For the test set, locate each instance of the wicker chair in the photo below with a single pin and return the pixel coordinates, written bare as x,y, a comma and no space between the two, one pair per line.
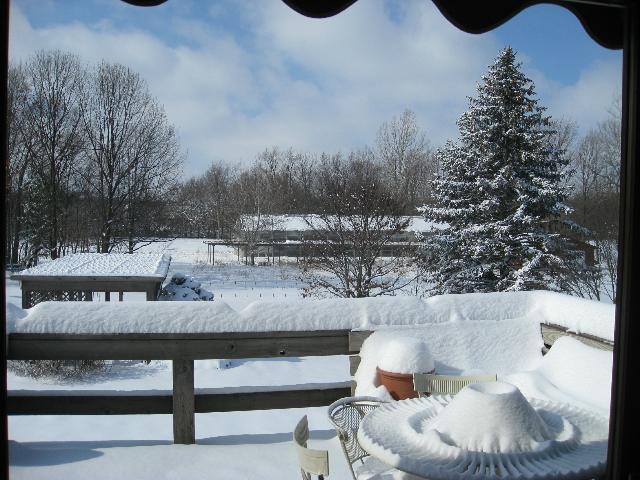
345,415
431,384
312,462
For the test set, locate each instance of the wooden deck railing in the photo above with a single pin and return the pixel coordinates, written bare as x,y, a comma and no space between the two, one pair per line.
550,333
182,349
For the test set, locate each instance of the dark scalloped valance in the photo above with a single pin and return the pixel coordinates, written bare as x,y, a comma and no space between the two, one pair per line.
602,20
145,3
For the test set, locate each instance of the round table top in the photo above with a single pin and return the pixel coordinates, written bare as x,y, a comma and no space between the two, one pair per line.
398,433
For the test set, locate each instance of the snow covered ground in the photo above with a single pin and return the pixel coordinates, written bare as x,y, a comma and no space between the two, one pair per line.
230,280
241,445
256,444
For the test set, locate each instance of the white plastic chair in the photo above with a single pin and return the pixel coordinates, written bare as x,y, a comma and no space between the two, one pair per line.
312,462
433,384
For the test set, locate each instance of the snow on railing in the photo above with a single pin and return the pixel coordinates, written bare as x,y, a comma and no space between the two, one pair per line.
208,330
542,307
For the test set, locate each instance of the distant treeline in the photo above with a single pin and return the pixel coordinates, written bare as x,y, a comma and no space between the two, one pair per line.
401,166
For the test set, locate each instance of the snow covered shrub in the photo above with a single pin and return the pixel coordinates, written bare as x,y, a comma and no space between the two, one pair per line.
60,369
183,287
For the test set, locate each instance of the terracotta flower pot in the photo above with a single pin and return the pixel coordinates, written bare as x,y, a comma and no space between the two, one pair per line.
399,385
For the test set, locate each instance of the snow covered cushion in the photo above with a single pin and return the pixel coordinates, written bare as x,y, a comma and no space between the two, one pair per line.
579,370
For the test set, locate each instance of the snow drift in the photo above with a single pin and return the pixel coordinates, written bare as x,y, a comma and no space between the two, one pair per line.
577,314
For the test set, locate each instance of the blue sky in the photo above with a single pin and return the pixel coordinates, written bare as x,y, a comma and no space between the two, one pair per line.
555,41
239,77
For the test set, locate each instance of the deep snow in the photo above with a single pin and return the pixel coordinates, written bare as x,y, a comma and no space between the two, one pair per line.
581,316
257,444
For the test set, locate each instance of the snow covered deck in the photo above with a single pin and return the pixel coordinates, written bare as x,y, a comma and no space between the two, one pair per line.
77,276
183,333
309,338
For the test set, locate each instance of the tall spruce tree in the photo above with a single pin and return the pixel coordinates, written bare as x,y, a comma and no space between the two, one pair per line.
500,188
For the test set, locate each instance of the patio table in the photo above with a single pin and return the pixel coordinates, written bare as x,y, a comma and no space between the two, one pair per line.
408,435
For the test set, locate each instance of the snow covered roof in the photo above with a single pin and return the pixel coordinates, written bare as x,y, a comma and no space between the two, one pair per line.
137,265
292,223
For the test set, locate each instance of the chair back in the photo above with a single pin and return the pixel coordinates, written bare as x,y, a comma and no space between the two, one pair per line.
312,462
429,383
346,415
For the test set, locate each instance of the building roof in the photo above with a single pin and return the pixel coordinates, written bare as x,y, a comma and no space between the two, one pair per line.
101,265
291,223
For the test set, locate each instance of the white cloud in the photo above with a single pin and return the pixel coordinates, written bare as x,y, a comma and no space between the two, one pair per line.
314,85
588,100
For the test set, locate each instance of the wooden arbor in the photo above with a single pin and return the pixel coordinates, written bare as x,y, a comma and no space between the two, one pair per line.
77,277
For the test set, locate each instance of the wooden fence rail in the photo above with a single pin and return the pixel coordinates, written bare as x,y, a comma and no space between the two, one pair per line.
193,346
69,402
550,333
182,349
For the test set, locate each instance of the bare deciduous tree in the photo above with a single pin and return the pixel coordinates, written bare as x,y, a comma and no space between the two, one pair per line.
358,220
596,170
52,115
133,150
21,151
253,196
406,158
219,201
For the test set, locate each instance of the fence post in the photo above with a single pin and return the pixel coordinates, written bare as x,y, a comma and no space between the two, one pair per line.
184,429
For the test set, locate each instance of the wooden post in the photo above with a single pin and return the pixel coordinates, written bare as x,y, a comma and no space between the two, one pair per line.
356,339
107,296
26,300
120,296
152,293
184,427
88,296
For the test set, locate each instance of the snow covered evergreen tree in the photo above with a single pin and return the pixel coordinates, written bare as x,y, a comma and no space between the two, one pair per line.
499,189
